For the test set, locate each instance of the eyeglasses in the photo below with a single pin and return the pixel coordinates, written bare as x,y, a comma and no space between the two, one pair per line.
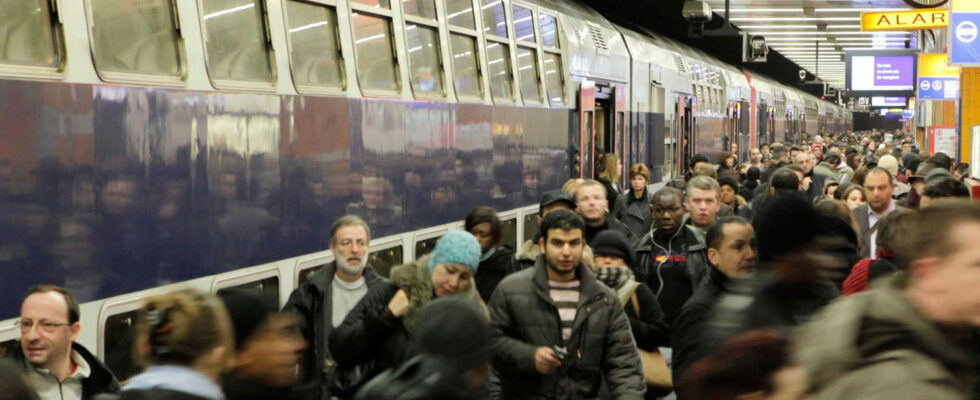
45,326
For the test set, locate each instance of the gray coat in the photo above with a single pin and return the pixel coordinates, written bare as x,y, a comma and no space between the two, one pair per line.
523,317
634,213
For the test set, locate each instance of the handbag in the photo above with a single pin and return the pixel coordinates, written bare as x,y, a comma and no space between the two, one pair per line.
656,373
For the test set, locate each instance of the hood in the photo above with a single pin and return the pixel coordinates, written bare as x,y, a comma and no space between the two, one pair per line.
849,331
529,251
414,279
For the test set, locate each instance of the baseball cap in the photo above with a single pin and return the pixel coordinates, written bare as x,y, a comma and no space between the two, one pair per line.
555,196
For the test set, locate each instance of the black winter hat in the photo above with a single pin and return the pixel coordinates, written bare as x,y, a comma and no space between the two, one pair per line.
727,180
555,196
247,311
454,329
753,173
612,243
785,224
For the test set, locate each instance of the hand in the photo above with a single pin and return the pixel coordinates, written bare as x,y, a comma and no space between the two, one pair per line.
545,360
806,183
399,304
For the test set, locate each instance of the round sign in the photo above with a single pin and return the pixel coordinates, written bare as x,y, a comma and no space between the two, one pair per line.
924,85
926,3
966,32
937,85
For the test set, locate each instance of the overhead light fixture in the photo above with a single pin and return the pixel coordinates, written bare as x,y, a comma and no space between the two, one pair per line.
799,19
777,27
821,10
762,10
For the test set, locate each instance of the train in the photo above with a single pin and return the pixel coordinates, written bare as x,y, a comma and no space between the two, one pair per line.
161,144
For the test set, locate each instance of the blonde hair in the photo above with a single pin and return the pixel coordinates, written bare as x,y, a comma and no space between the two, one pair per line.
571,186
639,169
610,168
180,327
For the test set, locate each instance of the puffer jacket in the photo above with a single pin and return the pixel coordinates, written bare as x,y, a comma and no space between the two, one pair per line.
875,345
523,317
373,339
634,213
311,301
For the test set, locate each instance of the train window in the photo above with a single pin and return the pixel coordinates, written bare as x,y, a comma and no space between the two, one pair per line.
523,23
236,41
494,17
424,60
375,3
8,348
120,336
373,49
421,8
267,289
314,51
383,260
498,55
553,78
527,68
531,226
30,35
466,70
548,25
460,13
508,234
423,247
130,37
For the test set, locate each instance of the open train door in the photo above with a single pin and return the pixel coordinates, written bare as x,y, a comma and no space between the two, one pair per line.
622,143
684,128
586,132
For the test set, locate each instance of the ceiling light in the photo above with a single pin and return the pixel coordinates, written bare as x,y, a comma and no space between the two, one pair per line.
761,10
799,19
818,33
843,26
778,26
857,9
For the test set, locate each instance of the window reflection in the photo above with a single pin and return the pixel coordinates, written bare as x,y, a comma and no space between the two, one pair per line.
421,8
498,59
494,18
316,59
527,67
466,73
424,60
548,26
523,24
373,49
460,13
27,36
553,78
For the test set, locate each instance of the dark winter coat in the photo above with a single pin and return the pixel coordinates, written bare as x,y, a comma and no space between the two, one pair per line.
523,317
312,303
634,213
493,270
611,223
645,267
649,328
100,380
611,192
151,394
685,335
374,340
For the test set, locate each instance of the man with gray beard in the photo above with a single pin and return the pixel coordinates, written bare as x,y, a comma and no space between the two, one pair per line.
325,299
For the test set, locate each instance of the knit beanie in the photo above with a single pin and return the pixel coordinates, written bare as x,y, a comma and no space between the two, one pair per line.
612,243
456,247
889,163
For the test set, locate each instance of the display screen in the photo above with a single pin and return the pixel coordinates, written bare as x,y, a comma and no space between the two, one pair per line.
882,72
878,101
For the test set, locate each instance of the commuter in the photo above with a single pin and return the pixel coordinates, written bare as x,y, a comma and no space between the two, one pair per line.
613,260
550,201
829,188
13,382
707,170
764,150
672,258
755,158
812,183
328,296
612,169
854,196
754,365
750,184
496,261
910,162
890,164
731,251
942,187
880,186
907,337
780,158
267,350
185,338
894,241
57,366
693,164
790,286
591,204
906,147
376,335
941,160
828,167
961,172
726,164
703,202
729,196
633,207
453,338
839,238
794,151
538,349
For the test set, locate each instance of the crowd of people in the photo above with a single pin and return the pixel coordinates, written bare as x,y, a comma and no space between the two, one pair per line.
842,267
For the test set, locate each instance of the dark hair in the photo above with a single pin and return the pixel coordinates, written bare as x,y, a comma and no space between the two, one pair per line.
695,159
71,304
13,382
728,181
565,220
832,158
934,224
716,232
779,152
880,170
945,186
784,179
348,220
897,231
795,148
942,160
668,191
483,214
743,365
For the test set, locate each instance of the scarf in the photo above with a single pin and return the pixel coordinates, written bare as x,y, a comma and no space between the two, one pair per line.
619,279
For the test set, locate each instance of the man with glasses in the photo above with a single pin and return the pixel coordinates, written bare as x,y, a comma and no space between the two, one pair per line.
58,368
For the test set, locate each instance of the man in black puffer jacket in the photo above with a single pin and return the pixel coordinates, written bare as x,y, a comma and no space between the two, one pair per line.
556,331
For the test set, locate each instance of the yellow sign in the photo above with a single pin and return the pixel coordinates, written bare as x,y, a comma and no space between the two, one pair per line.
936,66
965,5
904,20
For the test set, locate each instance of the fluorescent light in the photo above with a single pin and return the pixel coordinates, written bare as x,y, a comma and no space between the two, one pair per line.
773,33
858,9
843,26
761,10
229,11
778,26
800,19
819,39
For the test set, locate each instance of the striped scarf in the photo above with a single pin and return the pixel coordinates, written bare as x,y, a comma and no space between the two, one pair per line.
619,279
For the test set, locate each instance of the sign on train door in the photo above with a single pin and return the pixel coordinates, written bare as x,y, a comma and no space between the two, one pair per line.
586,131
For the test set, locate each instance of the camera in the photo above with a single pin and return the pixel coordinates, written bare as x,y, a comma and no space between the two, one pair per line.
560,352
754,48
802,74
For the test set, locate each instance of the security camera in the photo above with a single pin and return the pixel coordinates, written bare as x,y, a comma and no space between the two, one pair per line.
754,48
696,13
802,74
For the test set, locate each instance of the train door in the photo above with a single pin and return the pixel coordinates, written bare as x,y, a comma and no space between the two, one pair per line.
686,106
745,137
763,122
621,141
586,132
